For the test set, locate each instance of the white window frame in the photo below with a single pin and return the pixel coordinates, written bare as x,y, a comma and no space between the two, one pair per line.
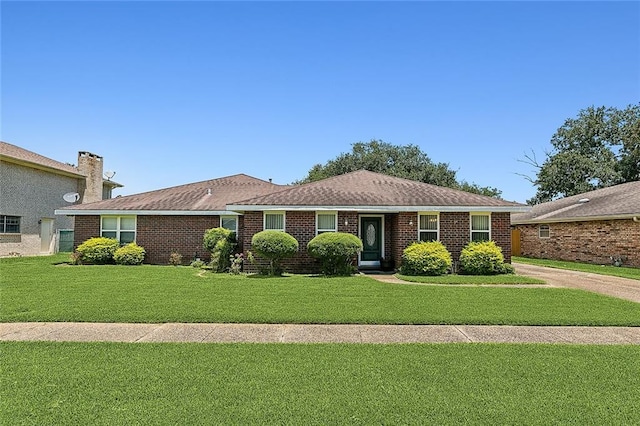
548,230
118,229
230,216
437,230
327,213
471,230
284,220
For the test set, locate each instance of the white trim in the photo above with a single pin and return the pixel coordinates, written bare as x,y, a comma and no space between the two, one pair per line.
383,209
284,220
71,212
227,216
471,231
437,230
574,219
327,213
382,253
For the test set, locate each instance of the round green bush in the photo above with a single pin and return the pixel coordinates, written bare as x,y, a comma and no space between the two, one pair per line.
99,250
130,254
275,246
426,258
220,242
336,251
481,258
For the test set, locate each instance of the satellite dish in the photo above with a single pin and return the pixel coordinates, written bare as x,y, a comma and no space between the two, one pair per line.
109,174
71,197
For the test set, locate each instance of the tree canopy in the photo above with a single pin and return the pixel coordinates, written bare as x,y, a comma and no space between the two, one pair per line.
404,161
598,148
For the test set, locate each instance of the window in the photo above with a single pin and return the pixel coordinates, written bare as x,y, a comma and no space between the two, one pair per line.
326,222
428,227
274,221
480,227
122,228
9,224
544,231
230,223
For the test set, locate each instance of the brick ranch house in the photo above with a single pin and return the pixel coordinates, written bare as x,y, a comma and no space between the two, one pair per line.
387,213
599,227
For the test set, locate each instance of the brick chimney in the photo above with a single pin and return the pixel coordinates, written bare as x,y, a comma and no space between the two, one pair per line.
91,166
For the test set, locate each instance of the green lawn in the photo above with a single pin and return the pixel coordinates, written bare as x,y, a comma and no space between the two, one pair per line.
617,271
113,383
471,279
33,289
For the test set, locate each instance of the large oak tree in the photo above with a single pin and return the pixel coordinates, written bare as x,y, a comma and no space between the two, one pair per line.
405,161
598,148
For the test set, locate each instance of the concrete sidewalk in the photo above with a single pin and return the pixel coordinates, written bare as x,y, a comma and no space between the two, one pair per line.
314,333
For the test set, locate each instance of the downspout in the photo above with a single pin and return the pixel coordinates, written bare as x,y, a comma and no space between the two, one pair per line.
636,219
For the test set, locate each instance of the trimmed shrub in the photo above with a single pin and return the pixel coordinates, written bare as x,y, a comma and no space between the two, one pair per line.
336,251
220,242
481,258
426,258
274,246
99,250
175,258
130,254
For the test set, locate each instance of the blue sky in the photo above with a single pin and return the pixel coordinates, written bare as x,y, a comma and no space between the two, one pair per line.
177,92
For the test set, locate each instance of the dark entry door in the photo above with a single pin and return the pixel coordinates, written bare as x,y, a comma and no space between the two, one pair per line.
371,235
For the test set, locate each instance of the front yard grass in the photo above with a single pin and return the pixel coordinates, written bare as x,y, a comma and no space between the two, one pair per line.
33,289
120,383
616,271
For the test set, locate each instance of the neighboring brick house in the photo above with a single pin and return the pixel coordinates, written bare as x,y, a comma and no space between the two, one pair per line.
601,227
32,187
387,213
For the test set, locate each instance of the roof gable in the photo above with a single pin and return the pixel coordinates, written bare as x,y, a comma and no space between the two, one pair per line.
206,196
15,154
365,189
616,201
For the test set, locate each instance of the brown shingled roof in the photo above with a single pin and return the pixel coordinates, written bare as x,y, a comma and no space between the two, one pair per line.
613,202
205,196
15,154
368,189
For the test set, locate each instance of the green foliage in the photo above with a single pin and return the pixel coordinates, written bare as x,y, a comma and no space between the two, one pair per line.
130,254
175,258
426,258
275,246
197,263
98,250
404,161
483,258
598,148
336,251
220,242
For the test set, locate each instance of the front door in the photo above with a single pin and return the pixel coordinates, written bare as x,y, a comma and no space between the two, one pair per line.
371,235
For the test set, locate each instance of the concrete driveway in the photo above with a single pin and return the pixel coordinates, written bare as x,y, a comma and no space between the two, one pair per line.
623,288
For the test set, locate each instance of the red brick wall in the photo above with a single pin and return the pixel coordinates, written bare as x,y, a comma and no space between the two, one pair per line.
501,233
592,241
85,227
405,232
161,235
455,232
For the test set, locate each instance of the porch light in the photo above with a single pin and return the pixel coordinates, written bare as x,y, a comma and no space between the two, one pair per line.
410,222
346,222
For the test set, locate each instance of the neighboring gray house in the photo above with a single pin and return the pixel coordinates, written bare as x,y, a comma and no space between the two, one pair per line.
32,187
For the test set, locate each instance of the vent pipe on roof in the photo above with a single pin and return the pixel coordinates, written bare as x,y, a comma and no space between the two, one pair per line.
209,191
